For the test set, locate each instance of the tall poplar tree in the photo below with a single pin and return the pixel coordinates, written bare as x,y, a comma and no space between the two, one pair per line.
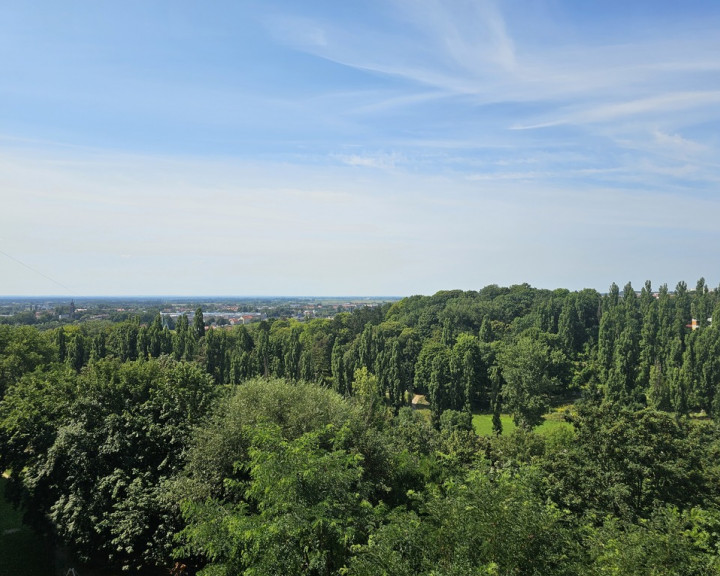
199,325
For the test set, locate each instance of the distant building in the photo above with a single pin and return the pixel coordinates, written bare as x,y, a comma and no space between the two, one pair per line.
694,324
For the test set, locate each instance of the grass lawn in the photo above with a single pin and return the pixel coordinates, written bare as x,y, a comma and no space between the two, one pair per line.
22,552
483,423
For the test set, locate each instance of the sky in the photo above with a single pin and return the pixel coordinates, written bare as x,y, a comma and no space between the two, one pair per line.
389,147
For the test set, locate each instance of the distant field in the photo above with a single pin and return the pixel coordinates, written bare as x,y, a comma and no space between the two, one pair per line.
22,552
483,424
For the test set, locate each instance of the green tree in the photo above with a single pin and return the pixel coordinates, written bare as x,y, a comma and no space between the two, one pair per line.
682,310
477,524
496,400
395,380
658,394
123,340
423,365
293,354
623,462
365,385
532,371
622,376
671,542
304,507
468,371
440,386
61,343
648,349
90,454
199,325
486,334
183,340
23,349
340,382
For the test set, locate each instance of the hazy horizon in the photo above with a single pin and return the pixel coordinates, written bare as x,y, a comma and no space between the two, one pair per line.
170,297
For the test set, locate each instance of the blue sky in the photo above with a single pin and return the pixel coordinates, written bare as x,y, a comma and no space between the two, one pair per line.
370,148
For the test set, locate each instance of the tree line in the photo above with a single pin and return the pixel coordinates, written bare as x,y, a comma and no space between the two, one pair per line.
291,447
455,347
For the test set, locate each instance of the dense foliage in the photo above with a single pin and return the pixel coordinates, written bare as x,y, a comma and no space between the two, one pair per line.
288,447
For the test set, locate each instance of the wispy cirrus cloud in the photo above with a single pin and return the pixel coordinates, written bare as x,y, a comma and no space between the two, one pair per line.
603,112
449,46
494,93
468,48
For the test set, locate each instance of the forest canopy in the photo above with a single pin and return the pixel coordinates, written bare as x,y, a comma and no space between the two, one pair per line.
348,445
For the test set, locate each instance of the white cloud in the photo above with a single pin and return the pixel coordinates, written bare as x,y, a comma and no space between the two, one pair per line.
676,144
382,161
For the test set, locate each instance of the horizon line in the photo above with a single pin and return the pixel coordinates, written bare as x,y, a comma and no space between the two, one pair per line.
181,296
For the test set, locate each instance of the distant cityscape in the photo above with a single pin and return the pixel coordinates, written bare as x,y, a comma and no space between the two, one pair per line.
217,311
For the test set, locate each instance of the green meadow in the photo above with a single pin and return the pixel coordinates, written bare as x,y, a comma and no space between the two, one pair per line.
483,423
